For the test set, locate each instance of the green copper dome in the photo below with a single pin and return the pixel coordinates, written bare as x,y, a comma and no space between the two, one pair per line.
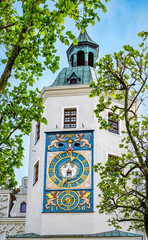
81,58
76,75
85,38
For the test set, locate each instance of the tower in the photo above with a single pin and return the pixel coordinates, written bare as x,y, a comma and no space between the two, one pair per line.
62,188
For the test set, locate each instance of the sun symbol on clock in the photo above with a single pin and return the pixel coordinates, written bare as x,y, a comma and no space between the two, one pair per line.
69,200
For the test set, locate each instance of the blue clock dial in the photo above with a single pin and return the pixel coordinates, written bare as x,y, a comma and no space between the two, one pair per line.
68,200
69,170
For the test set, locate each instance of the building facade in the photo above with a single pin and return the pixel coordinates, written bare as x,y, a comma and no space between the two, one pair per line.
13,210
62,187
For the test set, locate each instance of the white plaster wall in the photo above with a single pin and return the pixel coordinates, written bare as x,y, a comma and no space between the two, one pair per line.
4,203
55,100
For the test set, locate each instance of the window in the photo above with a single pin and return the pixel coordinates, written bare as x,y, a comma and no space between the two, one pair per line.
73,81
36,172
69,118
113,163
90,59
80,58
37,132
23,207
72,61
113,122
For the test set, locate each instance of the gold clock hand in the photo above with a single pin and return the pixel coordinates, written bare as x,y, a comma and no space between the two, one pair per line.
64,180
71,158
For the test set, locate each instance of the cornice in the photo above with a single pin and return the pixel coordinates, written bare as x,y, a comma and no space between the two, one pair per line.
5,191
62,91
12,220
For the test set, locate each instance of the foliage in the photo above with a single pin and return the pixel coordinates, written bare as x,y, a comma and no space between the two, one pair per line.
18,108
31,32
28,32
122,87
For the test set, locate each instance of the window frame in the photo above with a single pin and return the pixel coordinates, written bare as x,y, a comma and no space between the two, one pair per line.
70,116
37,132
113,128
36,173
23,203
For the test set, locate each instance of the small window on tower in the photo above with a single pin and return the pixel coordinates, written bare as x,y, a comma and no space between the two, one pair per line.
73,81
90,59
37,137
113,122
36,172
80,58
70,118
72,62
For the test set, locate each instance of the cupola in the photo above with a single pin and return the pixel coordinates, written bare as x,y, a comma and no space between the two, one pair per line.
83,54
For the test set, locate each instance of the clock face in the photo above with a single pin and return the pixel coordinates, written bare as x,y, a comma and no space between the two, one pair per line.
68,170
68,200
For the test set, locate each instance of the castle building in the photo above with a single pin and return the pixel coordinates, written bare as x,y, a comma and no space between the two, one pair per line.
62,187
13,210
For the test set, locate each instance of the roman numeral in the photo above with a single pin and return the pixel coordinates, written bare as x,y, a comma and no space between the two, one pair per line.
60,184
86,169
69,185
53,179
84,177
83,161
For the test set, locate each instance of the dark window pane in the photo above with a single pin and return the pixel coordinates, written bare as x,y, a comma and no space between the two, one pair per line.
73,81
36,172
67,119
73,119
37,132
80,58
90,59
23,208
70,118
114,124
73,112
67,113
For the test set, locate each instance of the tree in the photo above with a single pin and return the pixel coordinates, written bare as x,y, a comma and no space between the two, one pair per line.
28,32
124,179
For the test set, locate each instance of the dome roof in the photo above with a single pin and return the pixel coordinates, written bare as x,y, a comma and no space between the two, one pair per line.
84,37
83,75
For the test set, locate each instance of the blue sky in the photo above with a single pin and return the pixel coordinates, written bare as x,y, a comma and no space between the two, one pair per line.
119,26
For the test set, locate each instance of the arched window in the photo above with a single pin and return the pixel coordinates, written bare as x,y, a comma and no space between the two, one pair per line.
73,81
72,63
90,59
23,207
80,58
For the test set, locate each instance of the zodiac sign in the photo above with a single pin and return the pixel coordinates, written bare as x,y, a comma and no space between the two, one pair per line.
52,196
84,141
53,143
84,196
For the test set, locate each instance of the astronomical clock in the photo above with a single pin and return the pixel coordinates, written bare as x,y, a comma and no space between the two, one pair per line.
68,185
